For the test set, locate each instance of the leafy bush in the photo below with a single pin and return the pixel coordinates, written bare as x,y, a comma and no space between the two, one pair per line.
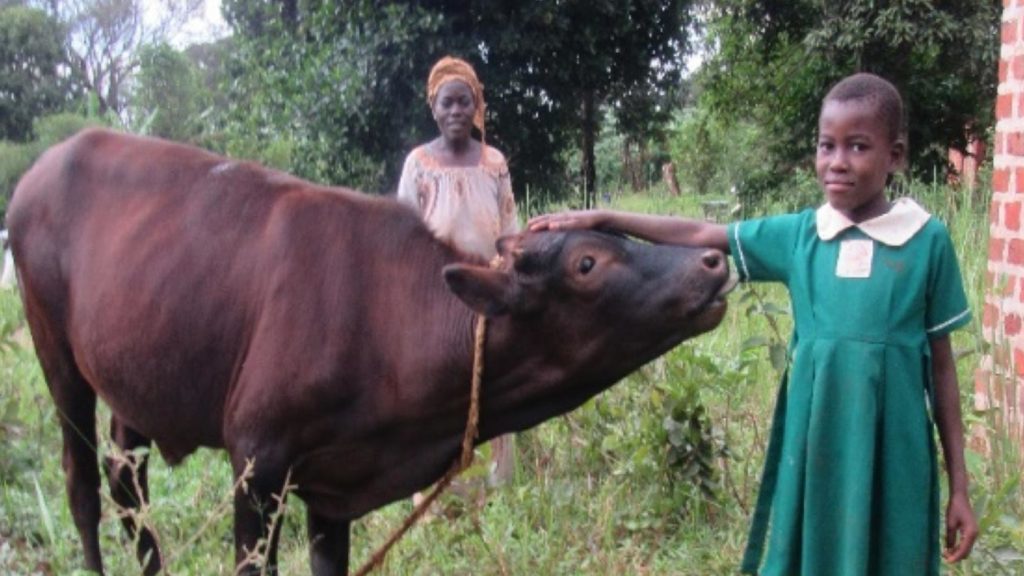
714,156
17,158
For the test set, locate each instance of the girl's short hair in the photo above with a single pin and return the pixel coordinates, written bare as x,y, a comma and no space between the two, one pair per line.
879,91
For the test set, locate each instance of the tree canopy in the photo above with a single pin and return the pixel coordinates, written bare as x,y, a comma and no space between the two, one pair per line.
31,82
776,59
169,98
359,68
335,91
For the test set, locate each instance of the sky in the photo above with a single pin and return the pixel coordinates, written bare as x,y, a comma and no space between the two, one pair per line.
208,25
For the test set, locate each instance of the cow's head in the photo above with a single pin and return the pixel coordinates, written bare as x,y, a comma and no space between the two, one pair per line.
599,299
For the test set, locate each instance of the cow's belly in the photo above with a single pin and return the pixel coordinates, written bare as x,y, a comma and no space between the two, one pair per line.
157,379
348,474
178,416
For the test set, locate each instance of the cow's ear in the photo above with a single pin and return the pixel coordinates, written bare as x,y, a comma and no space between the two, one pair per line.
484,290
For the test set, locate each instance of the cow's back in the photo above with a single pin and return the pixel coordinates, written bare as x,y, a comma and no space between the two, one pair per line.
158,266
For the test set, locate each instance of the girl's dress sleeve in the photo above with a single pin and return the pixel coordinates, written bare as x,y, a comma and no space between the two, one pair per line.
407,192
763,249
947,307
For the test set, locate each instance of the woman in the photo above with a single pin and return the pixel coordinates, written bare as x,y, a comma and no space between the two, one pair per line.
461,186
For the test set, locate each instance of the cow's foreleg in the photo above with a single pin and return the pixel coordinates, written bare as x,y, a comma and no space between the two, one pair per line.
129,487
328,545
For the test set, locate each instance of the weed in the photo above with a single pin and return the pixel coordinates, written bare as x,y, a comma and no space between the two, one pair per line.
656,476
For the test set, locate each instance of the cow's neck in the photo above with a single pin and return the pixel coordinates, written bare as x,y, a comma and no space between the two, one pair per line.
523,384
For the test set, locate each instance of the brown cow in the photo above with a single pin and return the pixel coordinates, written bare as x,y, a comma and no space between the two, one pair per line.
313,330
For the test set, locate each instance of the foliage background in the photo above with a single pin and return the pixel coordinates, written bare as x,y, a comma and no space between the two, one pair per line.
588,100
656,476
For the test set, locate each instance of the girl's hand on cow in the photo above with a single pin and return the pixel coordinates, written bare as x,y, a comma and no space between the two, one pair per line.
576,219
961,528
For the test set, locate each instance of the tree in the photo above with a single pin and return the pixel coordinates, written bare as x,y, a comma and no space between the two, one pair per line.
342,83
169,98
104,38
577,58
346,79
776,59
31,81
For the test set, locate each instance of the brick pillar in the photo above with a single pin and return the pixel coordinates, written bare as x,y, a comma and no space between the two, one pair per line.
1000,380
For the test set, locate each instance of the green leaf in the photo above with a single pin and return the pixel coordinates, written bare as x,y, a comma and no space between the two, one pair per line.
755,342
779,360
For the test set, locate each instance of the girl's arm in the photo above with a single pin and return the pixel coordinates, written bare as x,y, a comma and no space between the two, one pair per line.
961,525
657,229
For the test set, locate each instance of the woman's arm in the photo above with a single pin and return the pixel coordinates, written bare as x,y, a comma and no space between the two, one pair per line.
657,229
407,193
509,221
961,525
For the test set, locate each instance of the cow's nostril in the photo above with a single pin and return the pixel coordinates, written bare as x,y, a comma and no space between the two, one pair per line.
711,259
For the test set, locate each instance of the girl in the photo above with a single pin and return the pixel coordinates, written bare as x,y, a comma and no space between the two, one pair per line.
461,186
850,480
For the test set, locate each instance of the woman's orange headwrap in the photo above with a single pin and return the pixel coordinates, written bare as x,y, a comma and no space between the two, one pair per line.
447,69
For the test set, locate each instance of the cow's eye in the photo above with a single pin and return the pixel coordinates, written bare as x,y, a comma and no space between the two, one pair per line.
586,264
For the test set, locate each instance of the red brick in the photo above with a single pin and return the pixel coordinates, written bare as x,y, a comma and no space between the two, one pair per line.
989,315
993,211
1017,65
1015,254
1011,324
1015,144
1001,176
1001,355
1011,215
1018,361
1009,32
995,249
1004,106
1002,71
1005,285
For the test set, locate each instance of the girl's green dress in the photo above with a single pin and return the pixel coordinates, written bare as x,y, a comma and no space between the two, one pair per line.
850,484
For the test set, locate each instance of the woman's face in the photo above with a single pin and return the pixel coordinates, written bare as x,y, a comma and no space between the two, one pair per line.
453,110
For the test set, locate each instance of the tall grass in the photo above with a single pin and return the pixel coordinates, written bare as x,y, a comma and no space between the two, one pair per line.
656,476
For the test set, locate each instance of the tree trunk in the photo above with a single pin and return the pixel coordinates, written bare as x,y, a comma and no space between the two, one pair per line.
668,173
639,167
627,161
290,13
588,170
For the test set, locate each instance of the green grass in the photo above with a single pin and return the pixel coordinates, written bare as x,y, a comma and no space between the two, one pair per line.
605,490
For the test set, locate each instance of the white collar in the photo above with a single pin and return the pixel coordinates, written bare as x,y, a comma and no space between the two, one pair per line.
893,228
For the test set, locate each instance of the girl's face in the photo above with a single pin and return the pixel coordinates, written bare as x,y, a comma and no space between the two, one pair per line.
453,109
855,156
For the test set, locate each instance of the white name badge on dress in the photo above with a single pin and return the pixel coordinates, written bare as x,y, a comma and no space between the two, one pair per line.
855,258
